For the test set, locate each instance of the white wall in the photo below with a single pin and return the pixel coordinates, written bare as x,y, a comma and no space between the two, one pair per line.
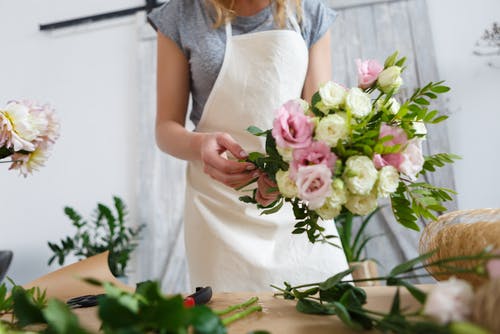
475,111
89,75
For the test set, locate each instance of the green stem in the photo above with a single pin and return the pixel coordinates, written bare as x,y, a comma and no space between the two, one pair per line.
236,307
241,315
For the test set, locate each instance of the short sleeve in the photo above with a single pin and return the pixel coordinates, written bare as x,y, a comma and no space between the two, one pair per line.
165,20
317,19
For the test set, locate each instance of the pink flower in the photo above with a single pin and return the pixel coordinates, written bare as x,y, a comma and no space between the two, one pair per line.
267,191
399,137
413,159
314,184
493,266
318,153
368,72
291,127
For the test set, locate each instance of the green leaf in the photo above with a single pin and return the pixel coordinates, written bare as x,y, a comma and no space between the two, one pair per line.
205,321
274,209
256,131
440,89
334,280
60,319
391,60
25,310
408,265
312,307
402,209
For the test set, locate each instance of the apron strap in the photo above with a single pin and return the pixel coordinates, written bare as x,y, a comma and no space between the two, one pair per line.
291,12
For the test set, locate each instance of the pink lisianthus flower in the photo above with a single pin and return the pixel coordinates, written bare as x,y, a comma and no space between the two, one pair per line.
318,153
368,72
314,184
291,127
399,137
413,159
267,191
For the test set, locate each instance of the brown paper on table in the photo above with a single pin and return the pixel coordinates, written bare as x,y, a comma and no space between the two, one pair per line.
67,282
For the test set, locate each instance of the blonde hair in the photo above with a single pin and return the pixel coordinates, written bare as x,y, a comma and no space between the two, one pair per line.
224,11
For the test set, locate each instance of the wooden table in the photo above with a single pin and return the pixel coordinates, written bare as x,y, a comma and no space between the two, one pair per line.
278,316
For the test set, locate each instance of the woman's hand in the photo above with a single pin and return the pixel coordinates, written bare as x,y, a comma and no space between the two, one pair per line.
232,173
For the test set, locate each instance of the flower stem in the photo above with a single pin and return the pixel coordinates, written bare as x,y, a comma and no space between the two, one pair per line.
241,315
236,307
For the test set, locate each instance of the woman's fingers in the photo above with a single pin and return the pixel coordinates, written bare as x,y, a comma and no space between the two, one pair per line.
226,141
231,180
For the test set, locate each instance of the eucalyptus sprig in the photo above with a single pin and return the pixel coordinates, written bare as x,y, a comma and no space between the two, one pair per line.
338,296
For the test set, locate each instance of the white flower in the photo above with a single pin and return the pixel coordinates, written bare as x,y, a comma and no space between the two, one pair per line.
420,129
286,153
392,105
303,104
449,301
390,79
360,175
358,102
27,163
17,127
361,204
332,128
413,159
333,204
388,181
286,185
332,96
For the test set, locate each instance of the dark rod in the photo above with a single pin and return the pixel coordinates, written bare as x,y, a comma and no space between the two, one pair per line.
99,17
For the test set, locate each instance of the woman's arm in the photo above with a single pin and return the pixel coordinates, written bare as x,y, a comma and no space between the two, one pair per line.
171,135
319,69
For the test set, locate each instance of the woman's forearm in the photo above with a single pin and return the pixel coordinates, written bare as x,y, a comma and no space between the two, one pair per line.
176,140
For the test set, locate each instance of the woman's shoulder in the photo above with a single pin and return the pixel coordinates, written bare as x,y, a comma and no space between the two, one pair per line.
317,18
180,11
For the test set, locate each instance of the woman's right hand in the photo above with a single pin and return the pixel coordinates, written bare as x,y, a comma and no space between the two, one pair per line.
232,173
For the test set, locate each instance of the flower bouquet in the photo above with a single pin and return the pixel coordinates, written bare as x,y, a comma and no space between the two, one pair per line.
27,131
350,147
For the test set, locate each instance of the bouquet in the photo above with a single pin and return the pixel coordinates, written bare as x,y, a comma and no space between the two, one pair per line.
350,147
27,131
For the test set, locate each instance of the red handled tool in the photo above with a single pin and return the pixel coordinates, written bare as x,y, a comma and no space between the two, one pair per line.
200,297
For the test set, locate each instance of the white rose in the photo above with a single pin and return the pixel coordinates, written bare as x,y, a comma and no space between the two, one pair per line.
361,204
388,181
332,96
420,129
449,301
392,105
390,79
286,185
333,204
286,153
358,102
360,175
332,128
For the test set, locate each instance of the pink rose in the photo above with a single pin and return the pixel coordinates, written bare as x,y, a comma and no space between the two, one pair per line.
318,153
267,192
368,72
314,184
413,159
291,127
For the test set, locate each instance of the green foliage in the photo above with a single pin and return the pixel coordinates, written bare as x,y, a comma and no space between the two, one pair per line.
353,245
106,231
338,296
436,161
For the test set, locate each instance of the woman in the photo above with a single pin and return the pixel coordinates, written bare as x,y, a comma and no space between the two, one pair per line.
240,60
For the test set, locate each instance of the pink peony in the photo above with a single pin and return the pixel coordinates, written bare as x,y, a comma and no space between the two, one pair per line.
314,184
318,153
267,192
291,127
368,72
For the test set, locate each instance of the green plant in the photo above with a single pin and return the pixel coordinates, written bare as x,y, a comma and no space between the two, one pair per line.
353,245
105,231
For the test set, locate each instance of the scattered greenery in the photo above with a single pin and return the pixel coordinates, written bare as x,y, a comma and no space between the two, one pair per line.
337,296
105,231
354,245
146,310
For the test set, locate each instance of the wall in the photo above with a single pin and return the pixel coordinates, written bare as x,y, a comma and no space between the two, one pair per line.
89,75
475,112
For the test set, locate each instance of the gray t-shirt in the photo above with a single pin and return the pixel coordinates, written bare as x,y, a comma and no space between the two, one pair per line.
189,23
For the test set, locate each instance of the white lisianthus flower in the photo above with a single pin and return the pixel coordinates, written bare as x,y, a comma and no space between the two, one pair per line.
286,153
333,204
358,102
420,128
286,185
392,105
332,97
360,175
388,181
361,204
390,79
332,128
303,104
450,301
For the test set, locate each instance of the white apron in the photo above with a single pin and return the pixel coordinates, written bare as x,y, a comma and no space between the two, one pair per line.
229,245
